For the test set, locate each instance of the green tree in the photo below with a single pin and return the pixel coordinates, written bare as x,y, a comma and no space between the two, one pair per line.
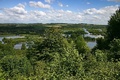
113,29
6,49
23,47
61,58
53,42
100,55
81,45
14,65
102,44
115,48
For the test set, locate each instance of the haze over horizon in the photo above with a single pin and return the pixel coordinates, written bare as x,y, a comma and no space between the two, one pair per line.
57,11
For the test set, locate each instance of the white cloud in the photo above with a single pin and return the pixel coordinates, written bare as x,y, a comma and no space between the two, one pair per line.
109,9
99,16
38,13
93,16
90,11
1,14
21,5
39,5
60,4
48,1
19,9
13,14
69,11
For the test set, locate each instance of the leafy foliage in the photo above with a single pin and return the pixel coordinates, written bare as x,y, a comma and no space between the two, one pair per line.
56,57
113,29
81,45
14,65
115,49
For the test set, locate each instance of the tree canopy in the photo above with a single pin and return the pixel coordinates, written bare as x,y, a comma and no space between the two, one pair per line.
113,29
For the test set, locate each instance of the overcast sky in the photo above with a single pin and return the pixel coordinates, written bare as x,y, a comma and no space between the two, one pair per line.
57,11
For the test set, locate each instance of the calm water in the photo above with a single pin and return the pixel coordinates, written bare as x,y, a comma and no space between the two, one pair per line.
92,36
92,44
12,37
17,46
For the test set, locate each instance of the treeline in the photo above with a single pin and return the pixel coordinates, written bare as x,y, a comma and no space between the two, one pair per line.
38,28
82,25
22,28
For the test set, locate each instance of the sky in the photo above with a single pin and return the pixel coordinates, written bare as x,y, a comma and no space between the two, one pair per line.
57,11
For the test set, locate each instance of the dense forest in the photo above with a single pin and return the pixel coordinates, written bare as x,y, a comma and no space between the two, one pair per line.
51,56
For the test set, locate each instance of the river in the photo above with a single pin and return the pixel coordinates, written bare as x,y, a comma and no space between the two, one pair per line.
91,44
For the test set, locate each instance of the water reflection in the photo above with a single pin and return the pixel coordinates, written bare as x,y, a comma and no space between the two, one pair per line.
17,46
91,44
92,36
12,37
